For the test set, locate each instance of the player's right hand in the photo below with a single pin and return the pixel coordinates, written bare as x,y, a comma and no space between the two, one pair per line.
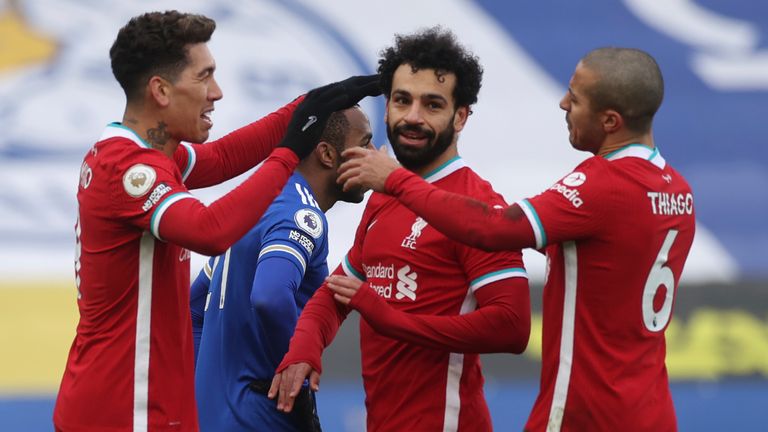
366,168
309,118
286,384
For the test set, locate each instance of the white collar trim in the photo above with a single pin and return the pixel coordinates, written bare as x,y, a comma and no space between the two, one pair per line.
114,130
639,151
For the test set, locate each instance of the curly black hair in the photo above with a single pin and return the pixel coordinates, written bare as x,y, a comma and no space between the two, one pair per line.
434,48
156,43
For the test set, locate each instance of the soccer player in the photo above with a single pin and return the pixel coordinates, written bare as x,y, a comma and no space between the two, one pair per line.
616,231
130,366
245,303
428,305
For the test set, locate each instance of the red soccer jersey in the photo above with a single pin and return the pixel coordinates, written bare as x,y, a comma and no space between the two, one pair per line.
418,270
130,367
617,231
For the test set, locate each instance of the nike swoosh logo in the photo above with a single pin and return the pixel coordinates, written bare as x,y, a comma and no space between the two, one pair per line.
310,121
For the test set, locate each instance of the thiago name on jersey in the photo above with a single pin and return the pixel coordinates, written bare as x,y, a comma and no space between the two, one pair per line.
667,204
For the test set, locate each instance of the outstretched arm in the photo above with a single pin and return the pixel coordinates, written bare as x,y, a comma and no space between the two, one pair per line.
208,164
469,221
501,322
211,230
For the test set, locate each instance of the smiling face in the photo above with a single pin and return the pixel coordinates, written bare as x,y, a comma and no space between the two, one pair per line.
585,126
191,97
421,116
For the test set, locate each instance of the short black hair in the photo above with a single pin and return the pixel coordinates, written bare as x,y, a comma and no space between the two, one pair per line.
434,48
336,128
156,43
629,82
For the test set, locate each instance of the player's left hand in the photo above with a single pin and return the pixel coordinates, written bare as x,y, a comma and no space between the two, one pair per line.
343,287
366,168
311,115
287,384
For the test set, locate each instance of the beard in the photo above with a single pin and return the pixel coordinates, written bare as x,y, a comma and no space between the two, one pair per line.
415,158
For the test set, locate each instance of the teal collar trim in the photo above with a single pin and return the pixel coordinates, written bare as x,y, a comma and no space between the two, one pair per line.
639,151
116,129
446,169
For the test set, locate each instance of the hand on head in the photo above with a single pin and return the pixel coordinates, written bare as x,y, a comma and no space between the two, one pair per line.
366,168
309,119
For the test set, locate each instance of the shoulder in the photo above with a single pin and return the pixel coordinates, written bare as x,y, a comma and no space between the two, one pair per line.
122,153
592,172
289,220
466,181
295,208
678,178
377,200
595,164
121,160
311,221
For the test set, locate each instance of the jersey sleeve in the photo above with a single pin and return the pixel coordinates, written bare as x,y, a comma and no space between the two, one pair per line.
144,183
287,249
298,235
204,165
470,221
501,322
483,268
198,295
506,303
575,207
210,230
317,326
272,296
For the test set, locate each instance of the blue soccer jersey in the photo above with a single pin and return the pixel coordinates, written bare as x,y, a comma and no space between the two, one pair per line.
245,304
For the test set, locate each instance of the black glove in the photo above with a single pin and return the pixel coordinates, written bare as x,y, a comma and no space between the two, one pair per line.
309,118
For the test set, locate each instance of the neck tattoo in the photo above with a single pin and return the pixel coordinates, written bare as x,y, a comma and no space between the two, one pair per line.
158,136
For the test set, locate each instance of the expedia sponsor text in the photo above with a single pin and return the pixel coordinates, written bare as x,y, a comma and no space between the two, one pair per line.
571,195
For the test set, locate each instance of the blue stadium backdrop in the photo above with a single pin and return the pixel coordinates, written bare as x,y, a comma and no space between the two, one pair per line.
57,93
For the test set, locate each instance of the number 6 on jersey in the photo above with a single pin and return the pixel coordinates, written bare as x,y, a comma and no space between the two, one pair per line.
659,275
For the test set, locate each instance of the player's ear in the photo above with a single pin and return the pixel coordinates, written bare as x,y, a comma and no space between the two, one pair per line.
612,121
460,118
326,154
159,89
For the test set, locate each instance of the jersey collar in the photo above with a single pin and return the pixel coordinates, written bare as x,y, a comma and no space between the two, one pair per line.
639,151
116,129
446,169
